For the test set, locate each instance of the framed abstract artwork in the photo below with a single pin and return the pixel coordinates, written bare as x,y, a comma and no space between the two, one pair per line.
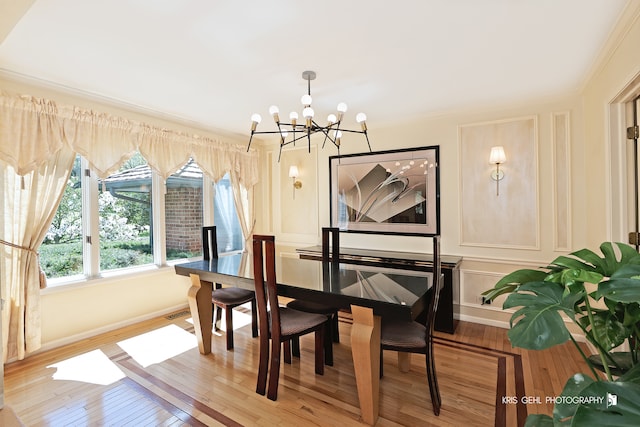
386,192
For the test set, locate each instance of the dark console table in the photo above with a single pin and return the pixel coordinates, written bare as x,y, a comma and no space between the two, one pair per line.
408,261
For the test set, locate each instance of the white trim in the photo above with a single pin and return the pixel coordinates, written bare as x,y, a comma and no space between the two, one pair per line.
566,184
505,325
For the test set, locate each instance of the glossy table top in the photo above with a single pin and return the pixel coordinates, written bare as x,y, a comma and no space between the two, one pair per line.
390,292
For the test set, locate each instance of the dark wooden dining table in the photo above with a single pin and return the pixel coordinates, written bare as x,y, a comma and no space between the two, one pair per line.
369,292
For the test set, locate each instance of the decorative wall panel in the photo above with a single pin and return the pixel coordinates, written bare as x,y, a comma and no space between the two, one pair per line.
562,180
509,219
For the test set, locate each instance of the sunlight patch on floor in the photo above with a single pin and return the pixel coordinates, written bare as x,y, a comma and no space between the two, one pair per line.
240,318
158,345
93,367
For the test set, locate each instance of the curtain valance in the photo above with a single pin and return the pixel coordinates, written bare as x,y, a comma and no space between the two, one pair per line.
31,132
107,141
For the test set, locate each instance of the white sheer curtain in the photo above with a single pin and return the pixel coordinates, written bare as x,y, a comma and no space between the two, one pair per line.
244,206
29,204
38,164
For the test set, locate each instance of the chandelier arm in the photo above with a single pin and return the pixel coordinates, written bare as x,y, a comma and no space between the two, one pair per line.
250,138
326,130
265,132
302,136
352,131
326,136
367,137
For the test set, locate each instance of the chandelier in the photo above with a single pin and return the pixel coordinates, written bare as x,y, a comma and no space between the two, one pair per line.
294,131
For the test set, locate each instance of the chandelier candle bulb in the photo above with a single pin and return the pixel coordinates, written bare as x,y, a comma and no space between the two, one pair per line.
362,119
294,118
255,120
274,111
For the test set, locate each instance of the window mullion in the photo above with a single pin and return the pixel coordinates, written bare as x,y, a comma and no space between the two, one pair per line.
90,222
158,191
208,194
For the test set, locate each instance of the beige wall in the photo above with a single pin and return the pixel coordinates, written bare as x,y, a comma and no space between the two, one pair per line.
84,309
78,311
483,265
573,162
615,81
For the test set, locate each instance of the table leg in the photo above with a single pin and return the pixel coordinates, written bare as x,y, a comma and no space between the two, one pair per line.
404,361
365,347
199,297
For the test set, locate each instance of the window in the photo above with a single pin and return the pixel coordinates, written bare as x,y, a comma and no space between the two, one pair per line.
124,207
61,249
119,211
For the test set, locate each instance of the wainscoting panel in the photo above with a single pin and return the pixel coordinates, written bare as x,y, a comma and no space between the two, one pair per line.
475,283
505,213
561,140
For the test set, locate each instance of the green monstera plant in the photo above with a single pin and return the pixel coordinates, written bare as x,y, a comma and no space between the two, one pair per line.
601,295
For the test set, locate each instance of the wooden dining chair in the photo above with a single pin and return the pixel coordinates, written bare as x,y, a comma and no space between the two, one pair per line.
227,298
279,324
333,332
415,337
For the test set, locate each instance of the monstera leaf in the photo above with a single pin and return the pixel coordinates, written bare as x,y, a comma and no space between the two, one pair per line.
605,329
510,282
623,285
538,324
588,403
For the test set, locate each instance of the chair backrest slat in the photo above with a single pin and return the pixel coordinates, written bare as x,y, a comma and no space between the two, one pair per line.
335,244
264,260
436,286
209,243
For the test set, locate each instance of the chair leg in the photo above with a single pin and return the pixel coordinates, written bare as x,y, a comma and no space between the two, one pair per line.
287,352
263,365
274,370
295,346
336,329
328,343
434,390
254,318
228,313
217,316
319,353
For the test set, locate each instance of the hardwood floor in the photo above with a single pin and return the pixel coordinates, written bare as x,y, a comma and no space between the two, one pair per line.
151,374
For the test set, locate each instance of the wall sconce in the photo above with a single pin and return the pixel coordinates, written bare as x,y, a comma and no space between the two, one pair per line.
497,156
293,174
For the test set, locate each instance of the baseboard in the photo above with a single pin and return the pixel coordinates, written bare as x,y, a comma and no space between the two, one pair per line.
505,325
108,328
483,321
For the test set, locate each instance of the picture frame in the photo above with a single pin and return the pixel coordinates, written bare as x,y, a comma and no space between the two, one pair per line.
386,192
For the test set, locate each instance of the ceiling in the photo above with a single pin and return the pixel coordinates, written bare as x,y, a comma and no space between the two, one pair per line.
214,63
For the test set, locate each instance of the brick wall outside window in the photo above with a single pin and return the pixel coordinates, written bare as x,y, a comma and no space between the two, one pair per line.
183,211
